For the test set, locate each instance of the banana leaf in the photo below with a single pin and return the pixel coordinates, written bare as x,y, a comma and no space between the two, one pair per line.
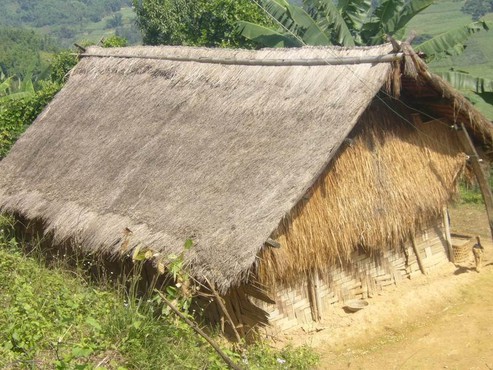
267,36
465,81
330,20
451,42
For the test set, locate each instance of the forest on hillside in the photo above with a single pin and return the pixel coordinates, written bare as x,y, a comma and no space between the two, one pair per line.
65,22
42,13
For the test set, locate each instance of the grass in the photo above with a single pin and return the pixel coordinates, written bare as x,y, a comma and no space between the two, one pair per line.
56,317
470,194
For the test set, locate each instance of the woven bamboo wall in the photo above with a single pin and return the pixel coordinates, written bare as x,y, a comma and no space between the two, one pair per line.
365,276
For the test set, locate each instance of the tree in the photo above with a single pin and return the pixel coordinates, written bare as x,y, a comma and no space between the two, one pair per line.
199,22
477,8
23,52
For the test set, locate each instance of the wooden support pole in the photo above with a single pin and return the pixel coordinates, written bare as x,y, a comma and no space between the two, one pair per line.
418,256
313,283
316,288
448,237
484,185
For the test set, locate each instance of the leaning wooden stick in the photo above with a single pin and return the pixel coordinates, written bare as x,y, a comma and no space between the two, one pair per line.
418,256
224,310
199,331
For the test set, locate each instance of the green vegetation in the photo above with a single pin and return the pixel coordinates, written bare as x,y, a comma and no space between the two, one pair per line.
201,22
51,12
445,15
477,59
70,21
24,53
20,107
53,316
470,194
477,8
16,114
350,23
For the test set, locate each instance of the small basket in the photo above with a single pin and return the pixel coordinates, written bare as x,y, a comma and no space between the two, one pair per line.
462,246
462,253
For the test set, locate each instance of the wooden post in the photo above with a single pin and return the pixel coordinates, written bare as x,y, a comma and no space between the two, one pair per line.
448,237
479,173
313,299
314,283
418,256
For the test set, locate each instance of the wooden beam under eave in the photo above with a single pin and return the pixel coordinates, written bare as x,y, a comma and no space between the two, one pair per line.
484,185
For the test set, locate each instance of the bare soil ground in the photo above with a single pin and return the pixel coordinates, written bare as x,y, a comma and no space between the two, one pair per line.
440,321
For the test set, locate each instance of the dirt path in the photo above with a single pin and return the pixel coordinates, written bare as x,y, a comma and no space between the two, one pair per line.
441,321
456,333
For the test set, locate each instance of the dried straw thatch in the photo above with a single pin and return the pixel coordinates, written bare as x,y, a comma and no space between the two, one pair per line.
142,149
389,180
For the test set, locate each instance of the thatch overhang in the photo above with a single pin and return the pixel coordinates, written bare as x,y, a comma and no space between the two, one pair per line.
435,98
144,150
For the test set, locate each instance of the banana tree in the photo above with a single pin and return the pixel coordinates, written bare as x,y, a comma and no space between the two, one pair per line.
11,88
350,23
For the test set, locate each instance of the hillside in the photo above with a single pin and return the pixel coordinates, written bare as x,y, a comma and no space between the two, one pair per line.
69,21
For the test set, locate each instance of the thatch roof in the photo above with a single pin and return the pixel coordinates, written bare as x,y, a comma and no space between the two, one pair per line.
145,151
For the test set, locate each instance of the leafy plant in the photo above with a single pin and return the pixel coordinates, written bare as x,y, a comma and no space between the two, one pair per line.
61,64
451,42
114,41
477,8
17,114
57,318
200,22
350,23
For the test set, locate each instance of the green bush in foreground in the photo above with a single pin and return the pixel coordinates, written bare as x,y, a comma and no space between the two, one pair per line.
53,318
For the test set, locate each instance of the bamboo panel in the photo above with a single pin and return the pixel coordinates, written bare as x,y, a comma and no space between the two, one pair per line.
365,276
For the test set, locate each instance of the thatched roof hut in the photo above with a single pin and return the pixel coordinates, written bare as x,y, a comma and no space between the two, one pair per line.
320,150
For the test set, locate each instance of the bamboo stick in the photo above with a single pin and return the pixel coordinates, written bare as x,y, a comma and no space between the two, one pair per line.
448,237
386,58
220,302
199,331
